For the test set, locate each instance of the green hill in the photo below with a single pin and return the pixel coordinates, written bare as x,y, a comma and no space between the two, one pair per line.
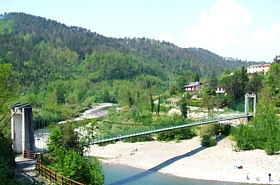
57,64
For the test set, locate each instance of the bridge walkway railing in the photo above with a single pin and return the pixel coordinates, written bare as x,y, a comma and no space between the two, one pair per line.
144,130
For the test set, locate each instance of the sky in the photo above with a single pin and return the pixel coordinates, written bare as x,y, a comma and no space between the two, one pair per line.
244,29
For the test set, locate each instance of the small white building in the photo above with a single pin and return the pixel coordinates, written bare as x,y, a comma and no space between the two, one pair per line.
220,90
258,68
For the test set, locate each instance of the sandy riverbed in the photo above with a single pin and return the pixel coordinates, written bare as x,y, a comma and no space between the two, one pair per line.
188,159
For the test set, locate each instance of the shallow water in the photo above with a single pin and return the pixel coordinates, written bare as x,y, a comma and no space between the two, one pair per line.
120,175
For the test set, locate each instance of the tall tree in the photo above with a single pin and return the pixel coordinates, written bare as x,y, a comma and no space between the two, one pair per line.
183,107
213,82
254,84
7,86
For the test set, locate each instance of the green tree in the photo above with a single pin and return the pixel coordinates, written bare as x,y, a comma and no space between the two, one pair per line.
273,81
235,86
7,92
263,130
183,107
254,84
7,86
158,107
181,83
67,144
208,141
213,82
266,123
72,165
67,136
152,102
7,160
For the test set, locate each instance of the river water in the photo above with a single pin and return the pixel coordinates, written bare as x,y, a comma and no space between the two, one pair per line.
125,175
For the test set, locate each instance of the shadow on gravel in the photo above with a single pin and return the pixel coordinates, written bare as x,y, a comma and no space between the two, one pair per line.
160,166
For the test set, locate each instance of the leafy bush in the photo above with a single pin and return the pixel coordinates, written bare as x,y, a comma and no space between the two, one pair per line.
7,161
178,134
208,141
72,165
245,137
147,137
67,147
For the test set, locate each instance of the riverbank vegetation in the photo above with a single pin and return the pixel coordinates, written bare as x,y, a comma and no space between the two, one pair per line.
66,153
262,132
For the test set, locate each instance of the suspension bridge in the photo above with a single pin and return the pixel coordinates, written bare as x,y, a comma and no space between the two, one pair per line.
24,137
98,139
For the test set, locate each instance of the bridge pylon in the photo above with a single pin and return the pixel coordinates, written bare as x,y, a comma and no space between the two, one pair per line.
22,132
247,96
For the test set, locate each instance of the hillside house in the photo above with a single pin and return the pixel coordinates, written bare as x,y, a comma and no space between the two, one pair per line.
263,68
193,86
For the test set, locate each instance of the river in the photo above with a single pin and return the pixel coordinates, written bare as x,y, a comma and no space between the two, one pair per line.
125,175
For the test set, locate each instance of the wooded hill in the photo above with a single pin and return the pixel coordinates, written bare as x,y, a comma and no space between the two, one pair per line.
43,50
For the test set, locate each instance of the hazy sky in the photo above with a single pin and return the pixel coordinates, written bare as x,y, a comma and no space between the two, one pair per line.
244,29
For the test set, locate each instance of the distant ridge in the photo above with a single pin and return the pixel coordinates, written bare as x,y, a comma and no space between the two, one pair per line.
24,38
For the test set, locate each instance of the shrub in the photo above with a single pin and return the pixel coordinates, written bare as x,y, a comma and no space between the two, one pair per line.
7,160
208,141
245,137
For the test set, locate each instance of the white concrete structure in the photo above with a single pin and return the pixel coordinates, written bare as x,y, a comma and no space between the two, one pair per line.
258,68
22,132
247,96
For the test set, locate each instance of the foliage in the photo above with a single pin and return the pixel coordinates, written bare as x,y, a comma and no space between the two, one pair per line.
210,132
245,137
67,145
273,81
44,51
254,84
142,138
7,160
208,141
183,107
72,165
6,26
235,86
7,85
263,130
178,134
70,137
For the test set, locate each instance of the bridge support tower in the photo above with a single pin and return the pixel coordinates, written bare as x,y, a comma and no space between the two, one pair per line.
247,97
22,132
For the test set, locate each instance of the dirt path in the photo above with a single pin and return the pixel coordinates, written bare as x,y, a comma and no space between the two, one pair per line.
26,167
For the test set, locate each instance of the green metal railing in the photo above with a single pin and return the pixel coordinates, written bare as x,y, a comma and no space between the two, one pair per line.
114,134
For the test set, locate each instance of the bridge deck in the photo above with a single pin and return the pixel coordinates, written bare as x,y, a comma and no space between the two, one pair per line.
195,123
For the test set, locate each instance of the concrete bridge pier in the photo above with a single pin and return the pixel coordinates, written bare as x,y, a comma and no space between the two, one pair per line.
22,132
247,96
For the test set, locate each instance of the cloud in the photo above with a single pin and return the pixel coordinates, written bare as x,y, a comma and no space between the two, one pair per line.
227,30
222,29
262,37
167,37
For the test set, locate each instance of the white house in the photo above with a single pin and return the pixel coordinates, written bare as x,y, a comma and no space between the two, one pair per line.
258,68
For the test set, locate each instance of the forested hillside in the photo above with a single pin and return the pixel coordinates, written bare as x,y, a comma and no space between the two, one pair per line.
54,64
56,51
